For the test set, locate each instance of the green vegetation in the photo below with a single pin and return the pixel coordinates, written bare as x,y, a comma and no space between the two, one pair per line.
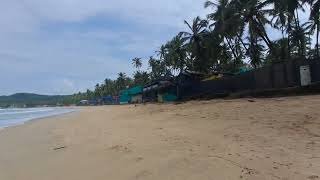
234,32
31,100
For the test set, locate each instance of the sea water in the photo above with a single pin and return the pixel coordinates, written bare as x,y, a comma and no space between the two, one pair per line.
18,116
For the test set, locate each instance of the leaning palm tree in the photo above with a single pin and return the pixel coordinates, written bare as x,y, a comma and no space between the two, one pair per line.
227,24
254,14
136,62
255,49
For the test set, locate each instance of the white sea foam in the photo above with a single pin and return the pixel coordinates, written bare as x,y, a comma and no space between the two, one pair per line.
13,117
27,111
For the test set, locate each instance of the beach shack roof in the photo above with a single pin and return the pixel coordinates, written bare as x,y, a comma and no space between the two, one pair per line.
156,85
84,101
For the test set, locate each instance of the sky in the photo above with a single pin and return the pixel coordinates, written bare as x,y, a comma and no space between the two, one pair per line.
67,46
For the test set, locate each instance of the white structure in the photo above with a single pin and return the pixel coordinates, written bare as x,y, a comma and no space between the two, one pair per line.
305,75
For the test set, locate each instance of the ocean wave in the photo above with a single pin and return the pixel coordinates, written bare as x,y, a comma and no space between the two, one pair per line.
19,117
25,111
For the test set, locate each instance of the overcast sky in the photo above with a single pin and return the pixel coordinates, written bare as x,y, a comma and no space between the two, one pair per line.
66,46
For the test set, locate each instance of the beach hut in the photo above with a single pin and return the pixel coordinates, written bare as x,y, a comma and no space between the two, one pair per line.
162,90
131,95
110,100
83,103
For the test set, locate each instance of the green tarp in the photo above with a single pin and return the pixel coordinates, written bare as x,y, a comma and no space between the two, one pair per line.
125,95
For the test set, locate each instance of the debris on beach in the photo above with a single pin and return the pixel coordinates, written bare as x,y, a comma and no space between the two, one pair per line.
58,148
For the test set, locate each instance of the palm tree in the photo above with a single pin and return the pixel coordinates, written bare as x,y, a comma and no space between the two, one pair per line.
280,52
315,20
280,22
109,87
89,94
228,24
256,55
141,78
293,19
255,47
158,68
137,62
300,39
286,14
97,91
195,41
176,53
121,81
162,52
254,14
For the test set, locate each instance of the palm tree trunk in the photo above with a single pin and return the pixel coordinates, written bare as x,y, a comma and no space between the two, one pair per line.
289,46
297,18
245,47
235,55
263,34
283,44
317,43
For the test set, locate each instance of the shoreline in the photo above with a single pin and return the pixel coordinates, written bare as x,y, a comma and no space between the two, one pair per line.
39,119
216,139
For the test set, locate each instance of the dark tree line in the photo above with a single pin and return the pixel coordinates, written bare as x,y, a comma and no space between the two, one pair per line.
233,35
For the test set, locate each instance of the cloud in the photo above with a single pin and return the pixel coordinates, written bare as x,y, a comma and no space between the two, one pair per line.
64,46
36,12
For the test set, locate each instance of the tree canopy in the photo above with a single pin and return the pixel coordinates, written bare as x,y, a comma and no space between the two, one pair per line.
235,33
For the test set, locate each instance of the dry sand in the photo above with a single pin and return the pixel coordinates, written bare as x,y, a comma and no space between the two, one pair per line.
221,139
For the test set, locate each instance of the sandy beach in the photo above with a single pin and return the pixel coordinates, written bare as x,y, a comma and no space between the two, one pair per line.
248,139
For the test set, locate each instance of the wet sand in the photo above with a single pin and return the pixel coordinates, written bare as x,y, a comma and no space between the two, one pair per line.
220,139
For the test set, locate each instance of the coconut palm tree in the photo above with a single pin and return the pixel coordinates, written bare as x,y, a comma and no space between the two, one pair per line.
315,20
137,63
175,56
256,55
228,25
255,47
98,90
122,81
280,52
300,39
158,68
141,78
162,52
293,19
254,14
279,14
195,41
